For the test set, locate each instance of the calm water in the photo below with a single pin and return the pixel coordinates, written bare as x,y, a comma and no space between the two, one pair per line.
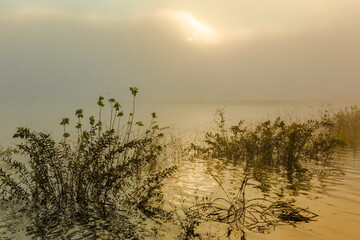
333,194
332,191
187,118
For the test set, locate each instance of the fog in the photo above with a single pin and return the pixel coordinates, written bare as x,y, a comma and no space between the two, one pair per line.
262,51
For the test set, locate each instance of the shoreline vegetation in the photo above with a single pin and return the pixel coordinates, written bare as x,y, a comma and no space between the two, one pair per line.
107,179
249,102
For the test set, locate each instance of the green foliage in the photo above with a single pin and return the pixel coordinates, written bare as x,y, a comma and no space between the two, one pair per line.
273,143
287,148
101,173
64,121
100,102
134,91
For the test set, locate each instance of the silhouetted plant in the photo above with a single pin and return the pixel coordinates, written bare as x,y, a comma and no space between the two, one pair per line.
287,147
270,142
241,213
187,223
97,175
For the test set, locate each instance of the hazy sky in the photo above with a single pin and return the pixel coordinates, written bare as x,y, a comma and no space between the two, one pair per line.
173,50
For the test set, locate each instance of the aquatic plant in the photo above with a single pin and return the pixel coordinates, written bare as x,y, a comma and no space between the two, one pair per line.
285,147
96,175
347,125
241,213
272,142
188,223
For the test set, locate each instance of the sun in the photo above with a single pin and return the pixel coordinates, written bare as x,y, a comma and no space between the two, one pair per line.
193,29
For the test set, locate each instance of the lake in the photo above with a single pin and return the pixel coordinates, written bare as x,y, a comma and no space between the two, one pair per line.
331,191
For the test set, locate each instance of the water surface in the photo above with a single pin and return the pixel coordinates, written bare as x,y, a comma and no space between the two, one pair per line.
331,191
334,196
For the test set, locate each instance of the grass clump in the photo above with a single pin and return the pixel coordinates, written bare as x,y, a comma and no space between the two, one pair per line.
100,174
347,125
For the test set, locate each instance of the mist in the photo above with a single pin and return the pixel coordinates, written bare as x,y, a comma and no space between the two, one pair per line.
62,56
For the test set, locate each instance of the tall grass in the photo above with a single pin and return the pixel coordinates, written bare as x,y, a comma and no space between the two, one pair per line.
95,175
347,125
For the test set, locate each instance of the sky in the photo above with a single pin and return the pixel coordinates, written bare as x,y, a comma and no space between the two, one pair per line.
75,50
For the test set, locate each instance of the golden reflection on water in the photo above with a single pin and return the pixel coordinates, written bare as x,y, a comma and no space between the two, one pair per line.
334,195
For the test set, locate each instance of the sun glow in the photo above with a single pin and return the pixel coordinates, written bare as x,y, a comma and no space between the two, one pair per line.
193,29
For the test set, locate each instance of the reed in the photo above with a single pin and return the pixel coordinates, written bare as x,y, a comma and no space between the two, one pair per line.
347,125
